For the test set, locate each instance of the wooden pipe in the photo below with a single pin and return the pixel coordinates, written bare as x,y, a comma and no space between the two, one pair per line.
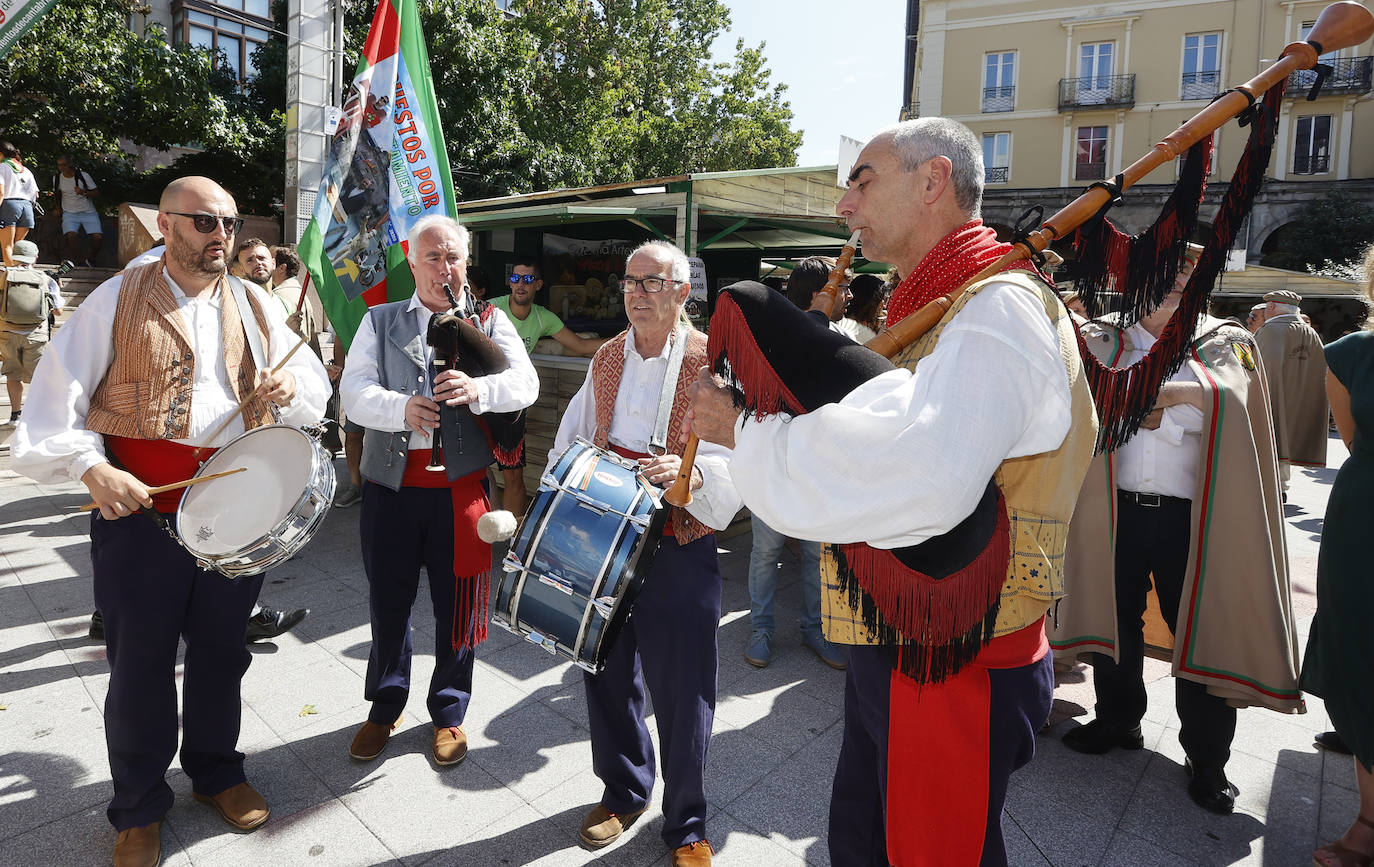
825,299
680,494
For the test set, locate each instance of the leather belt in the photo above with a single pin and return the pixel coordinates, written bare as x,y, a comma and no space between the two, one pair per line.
1153,501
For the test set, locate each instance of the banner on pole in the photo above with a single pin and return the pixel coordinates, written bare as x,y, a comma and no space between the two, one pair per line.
387,167
17,17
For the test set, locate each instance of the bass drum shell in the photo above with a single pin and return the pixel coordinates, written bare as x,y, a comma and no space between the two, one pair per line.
578,562
248,522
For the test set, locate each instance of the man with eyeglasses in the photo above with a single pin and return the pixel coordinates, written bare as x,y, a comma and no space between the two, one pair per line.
149,365
532,322
669,644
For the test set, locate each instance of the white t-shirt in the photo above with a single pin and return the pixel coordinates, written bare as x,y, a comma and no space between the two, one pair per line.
72,201
18,185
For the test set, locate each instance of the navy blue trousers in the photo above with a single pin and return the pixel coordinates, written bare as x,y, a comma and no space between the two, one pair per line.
403,531
151,594
668,644
1019,704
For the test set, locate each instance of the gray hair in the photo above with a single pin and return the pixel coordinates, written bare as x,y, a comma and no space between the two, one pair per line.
681,268
435,221
919,140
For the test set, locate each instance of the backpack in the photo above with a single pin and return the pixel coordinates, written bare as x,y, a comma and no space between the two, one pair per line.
23,296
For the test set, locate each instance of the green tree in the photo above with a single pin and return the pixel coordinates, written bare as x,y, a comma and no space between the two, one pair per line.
1333,228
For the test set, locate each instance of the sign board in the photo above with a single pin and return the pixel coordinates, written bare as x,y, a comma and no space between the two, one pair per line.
16,17
696,306
848,156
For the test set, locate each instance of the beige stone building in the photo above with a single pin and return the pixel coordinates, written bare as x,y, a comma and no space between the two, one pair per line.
1064,93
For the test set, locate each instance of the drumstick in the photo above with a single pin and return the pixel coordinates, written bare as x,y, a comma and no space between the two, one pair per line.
174,485
244,403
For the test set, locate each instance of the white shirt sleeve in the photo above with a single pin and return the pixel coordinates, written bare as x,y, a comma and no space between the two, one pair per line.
360,387
517,386
905,457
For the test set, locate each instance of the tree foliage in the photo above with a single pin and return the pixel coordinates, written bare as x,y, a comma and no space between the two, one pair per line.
1333,228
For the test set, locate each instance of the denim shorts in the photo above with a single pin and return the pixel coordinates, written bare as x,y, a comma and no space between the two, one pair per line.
16,212
88,220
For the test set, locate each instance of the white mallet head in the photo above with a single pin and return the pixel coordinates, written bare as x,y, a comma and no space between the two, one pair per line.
496,526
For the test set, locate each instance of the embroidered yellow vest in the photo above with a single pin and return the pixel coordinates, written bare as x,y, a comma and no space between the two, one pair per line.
146,393
608,366
1040,490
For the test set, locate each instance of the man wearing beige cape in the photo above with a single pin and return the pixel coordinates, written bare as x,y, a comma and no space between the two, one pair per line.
1295,366
1201,470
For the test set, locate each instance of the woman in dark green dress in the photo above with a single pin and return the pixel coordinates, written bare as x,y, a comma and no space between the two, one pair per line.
1339,665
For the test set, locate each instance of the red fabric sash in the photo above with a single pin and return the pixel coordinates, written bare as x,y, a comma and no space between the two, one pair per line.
471,556
949,264
156,463
634,456
939,732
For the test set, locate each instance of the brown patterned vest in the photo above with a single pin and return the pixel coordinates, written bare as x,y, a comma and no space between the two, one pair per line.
1040,489
608,365
146,393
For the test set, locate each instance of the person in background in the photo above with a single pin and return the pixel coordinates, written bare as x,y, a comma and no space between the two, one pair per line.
1296,371
76,192
863,317
479,282
18,190
29,300
1255,318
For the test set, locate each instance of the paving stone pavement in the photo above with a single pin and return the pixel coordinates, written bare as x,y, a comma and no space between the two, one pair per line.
522,793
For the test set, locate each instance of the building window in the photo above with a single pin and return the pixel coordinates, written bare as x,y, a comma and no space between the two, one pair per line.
996,157
1090,157
999,81
1312,150
1201,66
1094,73
234,27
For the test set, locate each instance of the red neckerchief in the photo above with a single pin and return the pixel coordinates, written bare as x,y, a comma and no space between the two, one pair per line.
949,264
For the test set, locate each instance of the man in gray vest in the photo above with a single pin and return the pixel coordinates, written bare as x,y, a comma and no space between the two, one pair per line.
412,517
27,296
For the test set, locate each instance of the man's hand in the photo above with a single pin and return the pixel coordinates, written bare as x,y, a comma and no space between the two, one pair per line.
455,388
663,469
712,415
1152,420
116,492
422,414
333,371
1175,393
278,388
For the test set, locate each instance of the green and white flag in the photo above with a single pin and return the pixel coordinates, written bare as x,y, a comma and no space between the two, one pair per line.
387,167
16,17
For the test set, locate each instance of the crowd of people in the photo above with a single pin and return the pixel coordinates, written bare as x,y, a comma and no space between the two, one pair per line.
945,594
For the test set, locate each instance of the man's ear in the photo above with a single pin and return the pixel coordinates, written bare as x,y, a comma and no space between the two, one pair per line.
936,179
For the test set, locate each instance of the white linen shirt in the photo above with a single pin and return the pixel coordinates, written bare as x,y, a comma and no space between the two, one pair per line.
52,443
369,404
632,424
906,456
1163,461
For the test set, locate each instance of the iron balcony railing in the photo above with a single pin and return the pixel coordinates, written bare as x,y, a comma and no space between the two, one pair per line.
1200,85
999,98
996,174
1090,171
1097,91
1308,164
1349,75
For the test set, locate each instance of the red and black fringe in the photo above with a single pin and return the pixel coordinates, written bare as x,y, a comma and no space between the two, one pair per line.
1124,396
471,596
755,386
939,625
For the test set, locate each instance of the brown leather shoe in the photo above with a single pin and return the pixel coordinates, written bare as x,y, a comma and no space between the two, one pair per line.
241,806
450,745
692,854
371,739
602,827
139,847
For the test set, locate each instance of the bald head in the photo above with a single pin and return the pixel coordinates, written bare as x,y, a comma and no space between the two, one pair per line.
193,188
196,254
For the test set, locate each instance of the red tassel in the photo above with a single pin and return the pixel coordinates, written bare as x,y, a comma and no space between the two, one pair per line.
471,596
736,356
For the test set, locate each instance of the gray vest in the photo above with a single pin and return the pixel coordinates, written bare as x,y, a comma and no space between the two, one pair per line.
400,368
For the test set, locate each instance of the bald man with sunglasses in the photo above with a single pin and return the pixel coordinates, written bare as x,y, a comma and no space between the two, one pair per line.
146,370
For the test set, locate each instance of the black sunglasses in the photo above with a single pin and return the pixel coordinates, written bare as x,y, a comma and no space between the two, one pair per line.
206,223
523,278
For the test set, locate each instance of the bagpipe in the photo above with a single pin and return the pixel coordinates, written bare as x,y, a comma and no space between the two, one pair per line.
459,344
937,602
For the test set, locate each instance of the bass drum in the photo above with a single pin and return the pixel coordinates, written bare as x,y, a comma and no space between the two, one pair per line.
249,522
579,560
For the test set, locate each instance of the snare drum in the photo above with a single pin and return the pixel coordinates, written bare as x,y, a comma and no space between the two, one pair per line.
249,522
575,568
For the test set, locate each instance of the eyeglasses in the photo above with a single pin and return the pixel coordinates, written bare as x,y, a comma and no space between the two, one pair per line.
522,278
206,223
652,285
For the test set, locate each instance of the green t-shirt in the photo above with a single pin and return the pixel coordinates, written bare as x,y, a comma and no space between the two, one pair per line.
542,322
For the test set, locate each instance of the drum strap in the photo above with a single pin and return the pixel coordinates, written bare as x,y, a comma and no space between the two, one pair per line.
250,330
659,441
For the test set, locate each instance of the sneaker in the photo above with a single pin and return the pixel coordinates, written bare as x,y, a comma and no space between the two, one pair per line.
348,496
759,651
832,655
14,420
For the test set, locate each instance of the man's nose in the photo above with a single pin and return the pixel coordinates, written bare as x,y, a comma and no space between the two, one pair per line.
845,207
